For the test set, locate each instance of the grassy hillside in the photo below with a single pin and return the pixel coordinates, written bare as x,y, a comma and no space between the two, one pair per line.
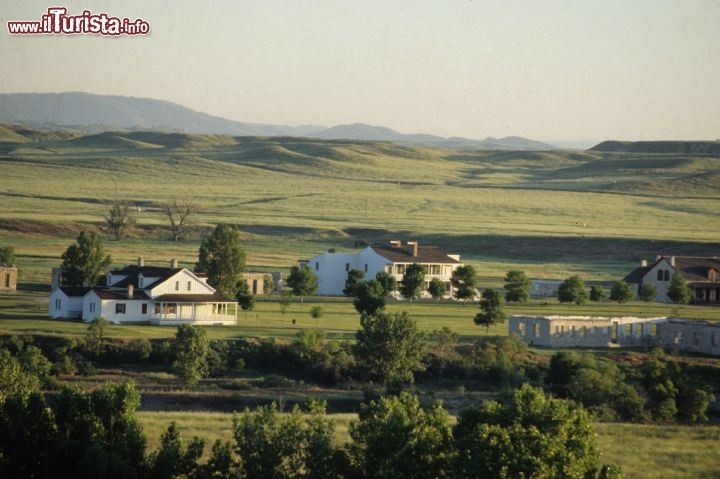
551,213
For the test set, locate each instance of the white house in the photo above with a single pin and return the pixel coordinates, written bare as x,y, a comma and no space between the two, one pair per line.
332,268
146,294
701,274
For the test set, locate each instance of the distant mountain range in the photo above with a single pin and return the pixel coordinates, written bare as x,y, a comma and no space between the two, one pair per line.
711,148
95,113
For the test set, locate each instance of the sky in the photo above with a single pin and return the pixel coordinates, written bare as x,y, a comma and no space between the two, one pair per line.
550,70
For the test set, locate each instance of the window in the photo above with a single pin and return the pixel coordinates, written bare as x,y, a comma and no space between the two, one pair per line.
92,307
400,269
536,330
7,280
663,275
653,329
177,285
366,267
317,266
58,304
434,269
144,308
189,285
347,266
120,308
521,329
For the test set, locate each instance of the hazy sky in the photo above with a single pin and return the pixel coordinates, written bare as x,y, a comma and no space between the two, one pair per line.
548,70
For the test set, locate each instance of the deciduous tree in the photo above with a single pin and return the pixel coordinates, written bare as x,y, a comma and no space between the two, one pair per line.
517,287
369,297
302,281
648,292
389,347
436,288
388,282
7,255
178,214
621,292
191,349
413,281
491,309
118,219
573,290
85,262
222,258
679,291
354,278
464,282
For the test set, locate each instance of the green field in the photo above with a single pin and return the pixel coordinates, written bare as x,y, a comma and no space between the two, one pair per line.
550,213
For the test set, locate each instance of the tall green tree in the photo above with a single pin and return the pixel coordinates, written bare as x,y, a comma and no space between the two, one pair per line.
517,287
464,282
222,258
389,347
302,281
491,309
436,288
573,290
191,349
354,278
244,297
173,459
527,435
621,292
413,281
679,291
7,255
85,262
369,297
396,438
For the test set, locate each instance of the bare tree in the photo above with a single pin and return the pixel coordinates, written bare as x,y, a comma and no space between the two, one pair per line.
118,219
178,213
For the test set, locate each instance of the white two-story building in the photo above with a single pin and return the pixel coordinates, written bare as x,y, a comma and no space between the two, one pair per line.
332,268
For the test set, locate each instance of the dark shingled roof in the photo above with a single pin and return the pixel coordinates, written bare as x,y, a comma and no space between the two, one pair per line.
109,294
75,290
693,269
404,254
146,270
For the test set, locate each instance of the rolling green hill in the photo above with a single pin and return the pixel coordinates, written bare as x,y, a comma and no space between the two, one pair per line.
551,213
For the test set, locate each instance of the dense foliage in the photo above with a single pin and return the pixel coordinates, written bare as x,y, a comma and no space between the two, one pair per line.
222,258
85,262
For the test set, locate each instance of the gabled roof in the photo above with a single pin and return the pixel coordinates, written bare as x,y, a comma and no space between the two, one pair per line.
157,271
404,254
692,268
75,291
122,295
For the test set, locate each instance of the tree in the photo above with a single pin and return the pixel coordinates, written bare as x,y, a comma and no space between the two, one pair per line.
436,288
398,439
597,294
96,332
648,292
178,214
294,445
679,291
517,287
191,350
244,297
85,262
369,297
572,290
389,347
527,435
173,459
14,378
222,258
7,255
316,312
413,281
388,282
464,282
118,219
442,348
621,292
354,278
302,281
491,310
268,285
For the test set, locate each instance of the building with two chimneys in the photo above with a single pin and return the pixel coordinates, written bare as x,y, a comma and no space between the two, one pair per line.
332,268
